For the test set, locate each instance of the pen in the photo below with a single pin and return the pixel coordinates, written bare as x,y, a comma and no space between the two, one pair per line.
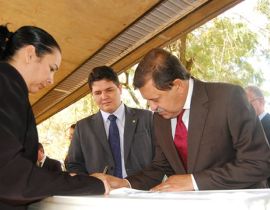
105,169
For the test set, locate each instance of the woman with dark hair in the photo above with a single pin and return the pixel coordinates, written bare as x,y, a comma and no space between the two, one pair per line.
29,57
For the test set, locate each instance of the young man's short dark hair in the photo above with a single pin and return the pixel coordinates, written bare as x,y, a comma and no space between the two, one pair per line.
100,73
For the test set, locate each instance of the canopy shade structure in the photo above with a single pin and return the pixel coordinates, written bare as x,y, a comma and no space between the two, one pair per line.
92,33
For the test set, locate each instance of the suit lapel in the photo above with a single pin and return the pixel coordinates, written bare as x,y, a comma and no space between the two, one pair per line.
45,164
197,118
165,140
265,119
129,130
100,133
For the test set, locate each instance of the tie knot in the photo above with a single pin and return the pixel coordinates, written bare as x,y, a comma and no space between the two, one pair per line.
112,118
180,115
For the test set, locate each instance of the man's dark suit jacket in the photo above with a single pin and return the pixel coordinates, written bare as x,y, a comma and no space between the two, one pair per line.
266,126
90,151
226,145
52,164
20,177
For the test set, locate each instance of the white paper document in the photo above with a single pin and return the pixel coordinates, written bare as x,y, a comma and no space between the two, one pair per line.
193,195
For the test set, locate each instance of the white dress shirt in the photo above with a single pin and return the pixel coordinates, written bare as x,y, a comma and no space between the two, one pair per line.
185,119
261,116
120,121
41,163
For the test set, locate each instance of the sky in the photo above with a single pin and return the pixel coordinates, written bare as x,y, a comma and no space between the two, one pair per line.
256,21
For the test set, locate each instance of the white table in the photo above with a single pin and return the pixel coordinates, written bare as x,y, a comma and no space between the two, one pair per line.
258,199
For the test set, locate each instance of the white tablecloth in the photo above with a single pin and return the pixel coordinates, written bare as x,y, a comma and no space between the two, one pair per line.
139,200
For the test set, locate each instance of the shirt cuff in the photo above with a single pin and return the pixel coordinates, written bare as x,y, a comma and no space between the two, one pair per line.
129,185
195,186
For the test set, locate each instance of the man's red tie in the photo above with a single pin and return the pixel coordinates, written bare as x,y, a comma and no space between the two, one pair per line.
180,139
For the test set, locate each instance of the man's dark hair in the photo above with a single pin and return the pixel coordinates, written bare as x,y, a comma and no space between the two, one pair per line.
160,66
73,126
40,147
100,73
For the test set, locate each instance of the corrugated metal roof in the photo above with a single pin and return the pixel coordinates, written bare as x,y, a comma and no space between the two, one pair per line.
159,18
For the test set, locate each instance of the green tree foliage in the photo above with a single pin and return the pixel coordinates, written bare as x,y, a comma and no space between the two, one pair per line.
130,96
54,132
220,51
263,7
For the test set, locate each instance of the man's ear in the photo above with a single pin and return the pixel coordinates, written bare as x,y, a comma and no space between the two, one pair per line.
177,83
180,85
30,53
120,88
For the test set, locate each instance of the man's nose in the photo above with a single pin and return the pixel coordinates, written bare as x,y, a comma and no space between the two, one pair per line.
153,105
103,95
